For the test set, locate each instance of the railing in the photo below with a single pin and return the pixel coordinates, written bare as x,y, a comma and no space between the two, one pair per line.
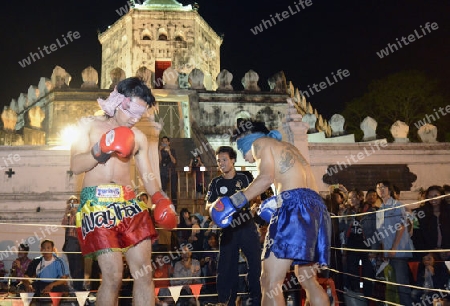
188,194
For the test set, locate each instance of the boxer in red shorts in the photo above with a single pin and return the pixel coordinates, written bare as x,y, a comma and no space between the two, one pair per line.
110,222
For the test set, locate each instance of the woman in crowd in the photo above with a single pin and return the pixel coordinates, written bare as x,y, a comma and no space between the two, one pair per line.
197,235
434,225
185,223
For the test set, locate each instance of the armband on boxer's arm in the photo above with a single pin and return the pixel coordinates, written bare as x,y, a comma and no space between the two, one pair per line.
238,199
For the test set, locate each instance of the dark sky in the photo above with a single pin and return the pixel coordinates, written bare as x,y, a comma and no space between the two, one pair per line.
308,46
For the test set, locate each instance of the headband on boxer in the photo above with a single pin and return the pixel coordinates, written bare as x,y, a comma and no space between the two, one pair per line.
114,100
244,144
133,109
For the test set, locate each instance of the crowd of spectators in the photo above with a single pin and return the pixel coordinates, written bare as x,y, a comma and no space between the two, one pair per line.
192,259
377,220
360,230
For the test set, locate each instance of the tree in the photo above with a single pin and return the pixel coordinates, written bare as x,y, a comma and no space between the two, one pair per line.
407,96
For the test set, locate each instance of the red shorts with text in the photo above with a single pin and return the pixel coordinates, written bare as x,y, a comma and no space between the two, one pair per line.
111,219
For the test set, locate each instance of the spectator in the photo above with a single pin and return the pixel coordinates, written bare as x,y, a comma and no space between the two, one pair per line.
371,197
186,272
3,282
208,264
48,266
212,228
194,166
391,219
143,196
447,192
432,274
355,239
335,254
168,173
71,244
368,222
197,235
20,265
183,233
435,225
162,268
339,199
339,195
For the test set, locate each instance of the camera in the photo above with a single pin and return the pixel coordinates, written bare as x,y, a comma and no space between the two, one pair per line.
195,160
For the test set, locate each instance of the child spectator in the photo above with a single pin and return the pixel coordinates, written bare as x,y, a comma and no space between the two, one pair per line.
21,263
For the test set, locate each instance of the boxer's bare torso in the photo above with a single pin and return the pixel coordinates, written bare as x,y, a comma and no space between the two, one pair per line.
116,170
278,162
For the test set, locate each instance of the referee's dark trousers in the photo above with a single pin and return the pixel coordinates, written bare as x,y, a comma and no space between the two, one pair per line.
241,234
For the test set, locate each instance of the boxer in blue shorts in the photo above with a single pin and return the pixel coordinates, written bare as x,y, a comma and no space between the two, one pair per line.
300,227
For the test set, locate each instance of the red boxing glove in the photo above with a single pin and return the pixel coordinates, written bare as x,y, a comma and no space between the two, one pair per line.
164,211
119,140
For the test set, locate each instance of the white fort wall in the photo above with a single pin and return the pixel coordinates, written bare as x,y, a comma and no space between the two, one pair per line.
430,163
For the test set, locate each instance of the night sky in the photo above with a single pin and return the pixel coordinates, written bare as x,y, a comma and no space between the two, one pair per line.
308,43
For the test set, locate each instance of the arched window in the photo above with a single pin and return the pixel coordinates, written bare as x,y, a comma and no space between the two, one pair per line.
146,35
179,36
162,34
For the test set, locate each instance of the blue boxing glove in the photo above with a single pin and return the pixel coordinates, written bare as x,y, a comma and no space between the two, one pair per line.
267,208
221,212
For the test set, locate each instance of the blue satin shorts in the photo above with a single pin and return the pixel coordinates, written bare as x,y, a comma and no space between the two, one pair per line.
300,228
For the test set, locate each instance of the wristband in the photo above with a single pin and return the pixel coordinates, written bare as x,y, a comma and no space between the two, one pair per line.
99,156
238,199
